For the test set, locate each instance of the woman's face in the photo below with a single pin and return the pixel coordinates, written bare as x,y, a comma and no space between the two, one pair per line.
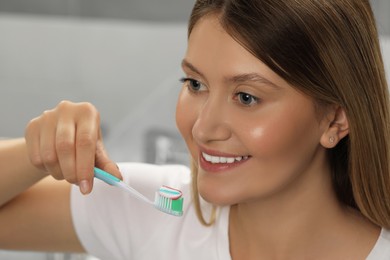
251,134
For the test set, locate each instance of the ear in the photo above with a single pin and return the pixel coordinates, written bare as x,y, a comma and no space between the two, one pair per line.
337,127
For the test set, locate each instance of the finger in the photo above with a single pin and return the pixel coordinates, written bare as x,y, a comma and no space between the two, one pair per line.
65,148
32,138
47,145
104,162
86,138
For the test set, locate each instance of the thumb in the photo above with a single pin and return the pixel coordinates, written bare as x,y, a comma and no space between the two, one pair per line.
103,162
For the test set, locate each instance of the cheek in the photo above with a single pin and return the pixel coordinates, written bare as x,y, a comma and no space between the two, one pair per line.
283,149
186,114
282,139
285,128
284,143
272,136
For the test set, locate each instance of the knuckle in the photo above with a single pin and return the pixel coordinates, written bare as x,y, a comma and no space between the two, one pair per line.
32,127
36,160
85,140
32,123
87,106
45,117
49,157
64,104
89,109
47,113
64,146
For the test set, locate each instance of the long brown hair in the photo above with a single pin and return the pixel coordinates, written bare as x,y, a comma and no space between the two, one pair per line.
330,51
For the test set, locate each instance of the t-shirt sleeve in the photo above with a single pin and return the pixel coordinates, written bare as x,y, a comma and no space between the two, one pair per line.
111,223
381,250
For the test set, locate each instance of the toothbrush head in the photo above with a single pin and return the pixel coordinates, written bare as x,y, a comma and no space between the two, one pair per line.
169,200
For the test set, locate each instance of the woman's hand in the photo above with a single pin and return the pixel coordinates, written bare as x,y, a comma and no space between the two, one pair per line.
66,142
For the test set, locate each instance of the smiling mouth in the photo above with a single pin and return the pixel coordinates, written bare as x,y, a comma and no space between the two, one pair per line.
222,159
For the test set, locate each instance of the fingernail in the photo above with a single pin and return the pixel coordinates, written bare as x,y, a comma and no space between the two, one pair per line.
84,187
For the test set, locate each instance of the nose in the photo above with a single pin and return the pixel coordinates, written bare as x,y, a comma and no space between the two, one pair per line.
212,123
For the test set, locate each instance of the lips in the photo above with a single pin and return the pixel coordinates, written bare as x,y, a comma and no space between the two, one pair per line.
214,162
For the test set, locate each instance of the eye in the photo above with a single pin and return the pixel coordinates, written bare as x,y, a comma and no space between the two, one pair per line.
192,84
247,99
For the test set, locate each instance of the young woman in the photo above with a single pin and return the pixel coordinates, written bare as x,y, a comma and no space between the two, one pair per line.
285,112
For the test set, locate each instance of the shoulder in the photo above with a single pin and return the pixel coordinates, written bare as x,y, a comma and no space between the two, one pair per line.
381,250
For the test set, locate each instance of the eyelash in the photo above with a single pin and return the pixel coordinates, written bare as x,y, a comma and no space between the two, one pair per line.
189,82
237,96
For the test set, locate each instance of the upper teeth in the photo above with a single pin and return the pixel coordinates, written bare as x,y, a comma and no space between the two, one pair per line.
221,159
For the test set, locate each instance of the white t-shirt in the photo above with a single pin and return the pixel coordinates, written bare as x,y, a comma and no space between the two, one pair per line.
111,224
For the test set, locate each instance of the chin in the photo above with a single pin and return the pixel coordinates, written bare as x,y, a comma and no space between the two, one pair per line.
217,194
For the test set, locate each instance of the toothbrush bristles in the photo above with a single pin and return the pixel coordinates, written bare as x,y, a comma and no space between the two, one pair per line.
168,205
167,199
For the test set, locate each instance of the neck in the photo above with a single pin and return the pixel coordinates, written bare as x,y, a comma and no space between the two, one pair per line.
292,222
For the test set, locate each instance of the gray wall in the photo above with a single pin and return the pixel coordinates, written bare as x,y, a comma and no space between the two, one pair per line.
150,10
382,12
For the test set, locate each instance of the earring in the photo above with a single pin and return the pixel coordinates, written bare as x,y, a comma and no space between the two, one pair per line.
331,139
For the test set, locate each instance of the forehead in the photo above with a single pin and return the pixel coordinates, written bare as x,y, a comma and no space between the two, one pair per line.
208,37
215,52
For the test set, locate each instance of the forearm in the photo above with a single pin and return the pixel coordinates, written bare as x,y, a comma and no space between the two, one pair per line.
34,210
16,172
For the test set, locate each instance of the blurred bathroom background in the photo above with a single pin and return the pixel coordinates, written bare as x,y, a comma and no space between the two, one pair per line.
122,55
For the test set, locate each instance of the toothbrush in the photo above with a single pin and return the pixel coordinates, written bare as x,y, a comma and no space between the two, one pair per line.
166,199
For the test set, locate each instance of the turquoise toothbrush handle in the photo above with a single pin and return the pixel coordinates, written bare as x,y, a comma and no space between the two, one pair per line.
163,203
114,181
106,177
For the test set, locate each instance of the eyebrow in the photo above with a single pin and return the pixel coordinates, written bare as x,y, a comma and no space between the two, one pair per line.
251,77
186,64
237,79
